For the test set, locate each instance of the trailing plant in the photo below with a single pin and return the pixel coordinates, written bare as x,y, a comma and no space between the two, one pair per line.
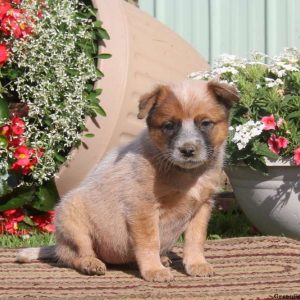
48,56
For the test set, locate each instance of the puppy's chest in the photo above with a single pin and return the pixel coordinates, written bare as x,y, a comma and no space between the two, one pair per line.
176,210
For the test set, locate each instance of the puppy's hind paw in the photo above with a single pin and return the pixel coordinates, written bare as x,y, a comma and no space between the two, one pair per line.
90,265
199,269
158,275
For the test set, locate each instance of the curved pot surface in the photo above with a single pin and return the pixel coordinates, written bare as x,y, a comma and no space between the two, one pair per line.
271,202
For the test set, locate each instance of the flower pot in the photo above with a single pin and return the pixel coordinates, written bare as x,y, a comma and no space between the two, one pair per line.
271,202
144,53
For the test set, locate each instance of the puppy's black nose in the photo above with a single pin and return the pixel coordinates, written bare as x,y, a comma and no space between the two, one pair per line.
187,150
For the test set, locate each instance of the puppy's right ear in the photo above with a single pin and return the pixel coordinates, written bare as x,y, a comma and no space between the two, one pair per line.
148,101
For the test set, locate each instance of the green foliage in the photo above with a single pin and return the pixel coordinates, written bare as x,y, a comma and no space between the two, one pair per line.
42,198
3,111
34,240
232,223
266,90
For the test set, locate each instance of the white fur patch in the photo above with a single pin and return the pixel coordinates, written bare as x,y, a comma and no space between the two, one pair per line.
27,255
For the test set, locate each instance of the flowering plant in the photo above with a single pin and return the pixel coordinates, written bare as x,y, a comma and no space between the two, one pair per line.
266,121
48,53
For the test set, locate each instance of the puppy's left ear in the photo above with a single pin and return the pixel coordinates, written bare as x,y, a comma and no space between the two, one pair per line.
148,101
226,94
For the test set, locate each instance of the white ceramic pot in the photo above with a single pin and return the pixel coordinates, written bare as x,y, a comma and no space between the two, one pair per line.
271,202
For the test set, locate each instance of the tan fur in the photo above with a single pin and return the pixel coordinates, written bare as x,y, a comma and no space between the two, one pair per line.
135,205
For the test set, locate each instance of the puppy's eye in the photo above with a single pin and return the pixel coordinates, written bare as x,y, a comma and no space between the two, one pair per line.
205,124
170,127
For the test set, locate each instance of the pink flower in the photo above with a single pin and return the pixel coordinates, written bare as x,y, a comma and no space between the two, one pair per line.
297,156
269,122
277,143
280,122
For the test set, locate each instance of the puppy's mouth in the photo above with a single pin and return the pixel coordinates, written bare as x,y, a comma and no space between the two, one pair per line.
190,163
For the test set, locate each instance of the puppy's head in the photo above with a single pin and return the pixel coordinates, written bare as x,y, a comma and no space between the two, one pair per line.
188,121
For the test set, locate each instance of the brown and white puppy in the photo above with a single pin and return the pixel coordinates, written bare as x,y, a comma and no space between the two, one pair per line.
143,196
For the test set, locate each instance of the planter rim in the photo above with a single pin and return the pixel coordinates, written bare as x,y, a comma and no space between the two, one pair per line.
280,162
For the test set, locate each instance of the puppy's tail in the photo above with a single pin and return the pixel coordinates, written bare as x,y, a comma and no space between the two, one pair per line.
30,254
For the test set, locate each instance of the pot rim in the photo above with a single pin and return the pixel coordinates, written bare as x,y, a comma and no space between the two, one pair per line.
280,162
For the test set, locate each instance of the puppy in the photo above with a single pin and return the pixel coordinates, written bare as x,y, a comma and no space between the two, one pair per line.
143,196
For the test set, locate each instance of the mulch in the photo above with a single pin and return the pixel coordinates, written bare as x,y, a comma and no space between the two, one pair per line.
245,268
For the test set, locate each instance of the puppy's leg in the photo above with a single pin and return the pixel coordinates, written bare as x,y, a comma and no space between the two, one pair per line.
144,229
195,237
74,246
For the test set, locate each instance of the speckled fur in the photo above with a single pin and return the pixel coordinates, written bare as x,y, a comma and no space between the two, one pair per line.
134,206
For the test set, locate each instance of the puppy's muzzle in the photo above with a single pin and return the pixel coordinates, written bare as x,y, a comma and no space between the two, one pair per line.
188,150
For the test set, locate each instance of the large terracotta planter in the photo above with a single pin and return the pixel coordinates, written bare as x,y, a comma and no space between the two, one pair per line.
272,202
144,53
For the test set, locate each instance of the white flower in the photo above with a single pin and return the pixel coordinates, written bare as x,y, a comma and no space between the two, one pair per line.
55,73
270,82
222,70
245,132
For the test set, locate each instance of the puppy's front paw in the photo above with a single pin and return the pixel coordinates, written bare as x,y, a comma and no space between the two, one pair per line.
198,269
165,261
158,275
90,266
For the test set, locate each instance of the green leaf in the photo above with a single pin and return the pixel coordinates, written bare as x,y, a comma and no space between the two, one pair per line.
3,142
4,113
18,201
98,92
295,114
99,73
104,55
257,164
47,197
97,24
59,157
89,135
28,221
98,109
12,74
4,187
262,149
103,34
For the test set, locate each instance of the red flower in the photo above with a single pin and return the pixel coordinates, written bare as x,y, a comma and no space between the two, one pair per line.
40,14
14,214
10,220
4,8
26,159
276,143
15,142
297,156
23,152
15,23
11,226
45,222
22,163
17,126
5,130
3,54
269,122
